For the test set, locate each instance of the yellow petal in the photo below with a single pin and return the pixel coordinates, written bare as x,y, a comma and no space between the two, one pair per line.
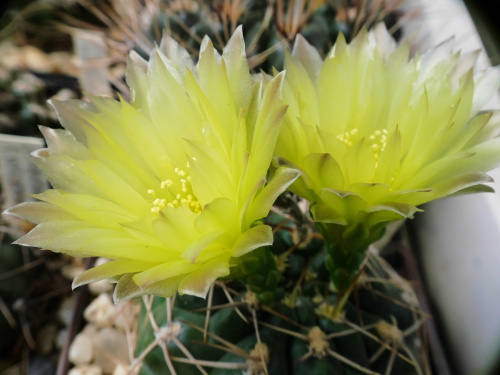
109,270
238,73
258,236
281,180
174,227
100,212
39,212
126,288
199,282
164,271
219,215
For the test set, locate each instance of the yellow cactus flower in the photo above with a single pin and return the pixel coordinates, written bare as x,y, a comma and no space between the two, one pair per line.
377,133
171,185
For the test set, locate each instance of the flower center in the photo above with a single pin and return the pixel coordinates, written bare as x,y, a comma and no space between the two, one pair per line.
348,138
175,192
377,140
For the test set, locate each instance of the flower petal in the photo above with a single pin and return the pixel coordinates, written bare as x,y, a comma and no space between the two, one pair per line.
308,56
98,211
126,288
109,270
260,207
196,247
39,212
326,214
199,282
259,236
237,69
163,271
218,216
174,227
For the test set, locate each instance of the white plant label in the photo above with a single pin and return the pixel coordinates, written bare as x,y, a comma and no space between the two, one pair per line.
19,177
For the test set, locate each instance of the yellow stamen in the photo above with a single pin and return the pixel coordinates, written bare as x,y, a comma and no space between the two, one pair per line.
171,196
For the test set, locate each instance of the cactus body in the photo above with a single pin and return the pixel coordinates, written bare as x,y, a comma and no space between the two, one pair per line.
377,332
271,26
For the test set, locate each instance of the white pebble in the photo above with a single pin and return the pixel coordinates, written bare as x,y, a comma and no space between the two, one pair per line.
110,349
85,370
81,351
126,314
101,286
90,330
70,271
101,311
121,370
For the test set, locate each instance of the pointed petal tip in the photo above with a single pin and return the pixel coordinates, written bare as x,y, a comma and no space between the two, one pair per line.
75,284
281,75
294,173
191,292
19,242
236,44
8,211
52,103
204,44
116,298
13,210
238,32
299,39
341,38
308,55
40,154
380,27
165,38
47,132
81,280
277,82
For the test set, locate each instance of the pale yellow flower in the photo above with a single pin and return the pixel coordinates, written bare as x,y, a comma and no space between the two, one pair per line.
171,185
377,133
